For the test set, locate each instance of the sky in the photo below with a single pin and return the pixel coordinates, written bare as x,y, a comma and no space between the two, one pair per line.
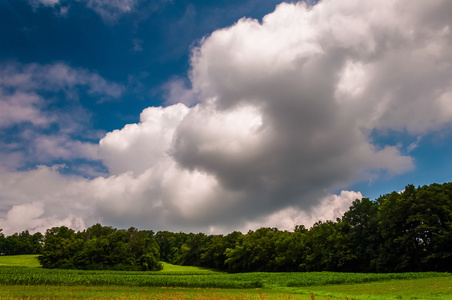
215,116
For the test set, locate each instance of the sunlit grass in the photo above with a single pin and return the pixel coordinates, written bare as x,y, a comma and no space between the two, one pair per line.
20,260
169,268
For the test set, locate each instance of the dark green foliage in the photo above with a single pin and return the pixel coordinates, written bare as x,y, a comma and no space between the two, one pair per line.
100,248
266,249
329,248
399,232
409,231
364,237
416,227
20,243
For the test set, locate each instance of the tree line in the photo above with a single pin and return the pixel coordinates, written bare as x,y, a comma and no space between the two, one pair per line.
97,248
21,243
399,232
405,231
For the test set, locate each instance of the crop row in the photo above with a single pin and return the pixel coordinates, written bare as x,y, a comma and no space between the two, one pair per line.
327,278
38,276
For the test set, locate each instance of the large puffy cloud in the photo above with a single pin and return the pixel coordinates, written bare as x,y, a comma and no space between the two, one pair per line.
285,114
29,216
139,147
204,169
40,199
333,58
329,208
287,106
35,129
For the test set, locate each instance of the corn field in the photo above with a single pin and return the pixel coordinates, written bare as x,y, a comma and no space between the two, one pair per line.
38,276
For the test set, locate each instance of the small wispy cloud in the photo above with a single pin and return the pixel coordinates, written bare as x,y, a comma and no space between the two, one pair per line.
137,45
36,3
32,98
110,10
54,77
414,144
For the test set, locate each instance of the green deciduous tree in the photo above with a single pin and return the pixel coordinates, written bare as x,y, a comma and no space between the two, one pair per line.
328,248
365,238
100,248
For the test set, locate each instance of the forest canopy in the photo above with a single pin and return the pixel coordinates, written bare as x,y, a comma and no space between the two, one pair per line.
100,248
398,232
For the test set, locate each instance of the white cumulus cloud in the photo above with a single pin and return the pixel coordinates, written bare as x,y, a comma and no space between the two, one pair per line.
284,115
40,199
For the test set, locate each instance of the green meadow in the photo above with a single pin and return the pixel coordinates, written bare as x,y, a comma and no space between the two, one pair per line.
20,260
21,278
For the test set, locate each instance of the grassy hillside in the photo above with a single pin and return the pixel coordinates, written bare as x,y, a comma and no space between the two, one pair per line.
20,260
169,268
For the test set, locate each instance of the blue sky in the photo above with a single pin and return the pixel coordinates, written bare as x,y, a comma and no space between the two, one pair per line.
141,49
217,115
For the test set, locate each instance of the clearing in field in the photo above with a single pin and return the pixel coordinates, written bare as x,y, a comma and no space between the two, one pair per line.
20,260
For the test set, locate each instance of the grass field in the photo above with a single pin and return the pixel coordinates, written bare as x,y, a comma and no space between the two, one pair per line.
169,268
21,279
20,260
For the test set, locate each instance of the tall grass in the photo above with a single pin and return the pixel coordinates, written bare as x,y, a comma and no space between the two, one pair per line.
37,276
10,275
